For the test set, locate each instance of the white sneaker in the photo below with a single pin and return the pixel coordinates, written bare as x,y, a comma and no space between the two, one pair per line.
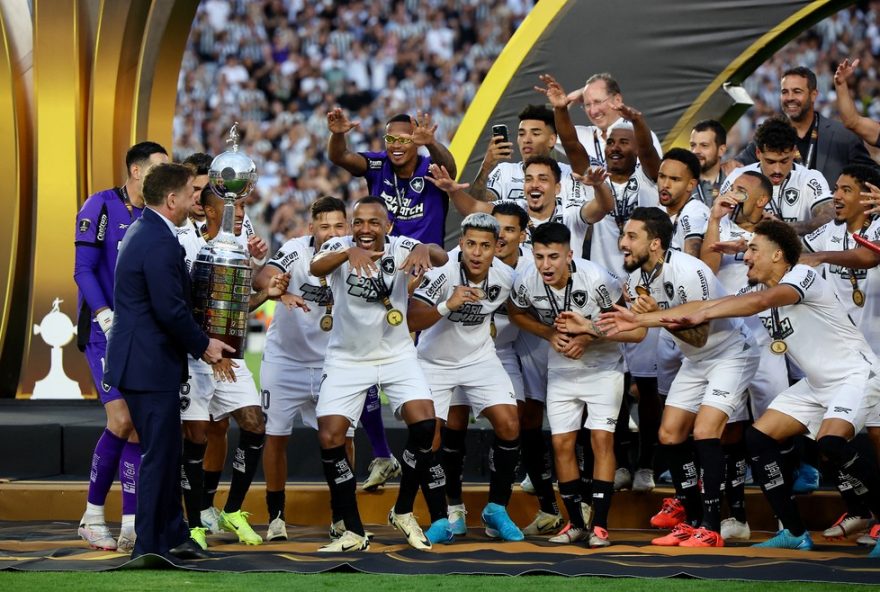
210,518
569,535
623,479
848,526
347,543
409,526
97,536
543,523
381,470
337,529
527,486
734,530
457,515
127,538
643,481
277,530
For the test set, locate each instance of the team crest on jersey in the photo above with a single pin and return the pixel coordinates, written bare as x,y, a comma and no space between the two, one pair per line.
417,184
669,289
632,184
791,195
388,266
184,403
579,297
492,292
84,224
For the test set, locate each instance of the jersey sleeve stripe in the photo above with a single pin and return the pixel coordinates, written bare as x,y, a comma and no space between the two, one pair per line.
424,299
797,288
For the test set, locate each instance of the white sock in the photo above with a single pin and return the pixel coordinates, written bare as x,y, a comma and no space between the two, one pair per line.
128,522
93,515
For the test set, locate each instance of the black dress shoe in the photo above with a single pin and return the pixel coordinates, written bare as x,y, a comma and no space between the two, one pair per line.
189,550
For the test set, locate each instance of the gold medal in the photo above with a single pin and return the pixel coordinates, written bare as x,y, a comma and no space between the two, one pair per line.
777,346
858,298
394,317
493,332
326,322
642,291
478,292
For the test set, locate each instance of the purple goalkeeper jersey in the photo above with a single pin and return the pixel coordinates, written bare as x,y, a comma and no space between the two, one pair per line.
100,225
417,208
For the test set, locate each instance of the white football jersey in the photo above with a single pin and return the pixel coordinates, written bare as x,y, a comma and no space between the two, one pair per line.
507,332
507,178
794,199
638,191
361,334
570,215
691,222
295,337
591,291
821,338
191,239
681,279
732,272
835,237
593,140
461,337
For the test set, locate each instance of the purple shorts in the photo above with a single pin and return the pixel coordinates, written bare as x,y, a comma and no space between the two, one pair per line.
95,352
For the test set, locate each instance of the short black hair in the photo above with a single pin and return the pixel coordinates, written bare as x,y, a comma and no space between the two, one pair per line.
783,236
510,208
766,185
657,224
141,152
551,233
776,134
371,199
687,158
863,174
803,72
326,204
200,161
545,160
707,125
539,113
163,179
399,118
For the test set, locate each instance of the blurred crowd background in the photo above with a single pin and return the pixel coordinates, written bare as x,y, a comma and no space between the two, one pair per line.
278,66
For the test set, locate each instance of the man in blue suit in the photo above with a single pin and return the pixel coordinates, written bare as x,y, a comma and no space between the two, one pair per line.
153,331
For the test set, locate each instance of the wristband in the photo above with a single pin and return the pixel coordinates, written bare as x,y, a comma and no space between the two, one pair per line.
443,309
105,320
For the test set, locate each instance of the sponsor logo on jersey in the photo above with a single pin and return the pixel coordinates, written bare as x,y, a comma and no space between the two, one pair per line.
604,300
362,287
704,284
376,164
791,195
521,297
815,186
123,226
835,239
287,260
845,410
432,288
405,210
84,224
785,328
407,244
720,393
682,295
320,295
808,280
470,314
102,227
417,184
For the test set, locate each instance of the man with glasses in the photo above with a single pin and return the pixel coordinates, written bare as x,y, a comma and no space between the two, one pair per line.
397,174
601,98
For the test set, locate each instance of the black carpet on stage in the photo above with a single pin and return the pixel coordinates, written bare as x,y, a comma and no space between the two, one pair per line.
53,547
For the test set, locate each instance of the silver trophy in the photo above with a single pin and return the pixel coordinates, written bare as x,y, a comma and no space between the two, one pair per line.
221,273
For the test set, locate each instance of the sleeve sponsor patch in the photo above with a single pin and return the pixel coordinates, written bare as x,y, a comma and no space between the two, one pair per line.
84,225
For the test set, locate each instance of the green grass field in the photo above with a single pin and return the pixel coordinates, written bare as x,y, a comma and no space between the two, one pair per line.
346,582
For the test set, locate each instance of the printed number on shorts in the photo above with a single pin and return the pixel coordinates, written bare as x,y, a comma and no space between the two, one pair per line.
264,396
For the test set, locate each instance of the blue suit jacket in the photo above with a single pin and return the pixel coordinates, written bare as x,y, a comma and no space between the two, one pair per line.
153,327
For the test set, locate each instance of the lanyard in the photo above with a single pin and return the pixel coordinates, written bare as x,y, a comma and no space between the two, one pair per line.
382,290
620,204
466,283
814,139
600,150
857,295
776,206
566,301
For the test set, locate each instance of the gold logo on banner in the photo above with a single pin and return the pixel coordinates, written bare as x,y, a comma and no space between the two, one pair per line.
80,82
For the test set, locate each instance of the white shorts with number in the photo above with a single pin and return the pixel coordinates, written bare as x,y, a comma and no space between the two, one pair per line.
480,386
717,382
202,398
571,389
344,388
641,357
854,400
288,391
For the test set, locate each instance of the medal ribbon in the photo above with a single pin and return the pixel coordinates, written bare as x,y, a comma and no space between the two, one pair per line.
566,301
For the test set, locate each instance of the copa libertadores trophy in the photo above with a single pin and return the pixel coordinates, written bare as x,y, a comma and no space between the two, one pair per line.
222,273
